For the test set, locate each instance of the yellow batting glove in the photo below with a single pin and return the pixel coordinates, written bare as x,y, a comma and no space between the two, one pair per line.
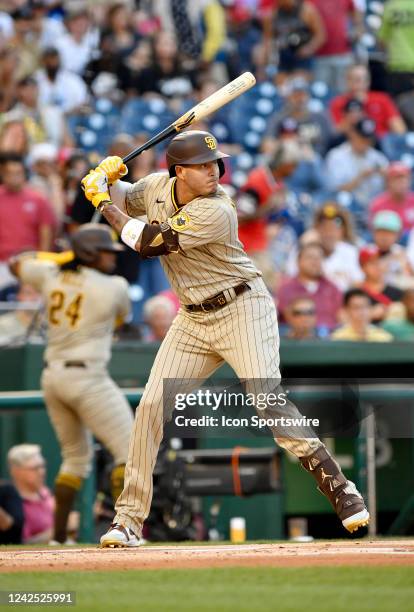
113,167
95,186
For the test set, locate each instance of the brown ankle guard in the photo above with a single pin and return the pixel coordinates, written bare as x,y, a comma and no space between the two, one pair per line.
66,488
326,472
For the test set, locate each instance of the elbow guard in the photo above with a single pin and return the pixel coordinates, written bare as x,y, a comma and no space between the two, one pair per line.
158,240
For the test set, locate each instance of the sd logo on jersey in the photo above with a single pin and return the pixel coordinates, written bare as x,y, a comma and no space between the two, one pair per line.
181,222
211,142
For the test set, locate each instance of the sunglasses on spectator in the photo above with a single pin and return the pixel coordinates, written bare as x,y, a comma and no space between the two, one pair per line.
303,312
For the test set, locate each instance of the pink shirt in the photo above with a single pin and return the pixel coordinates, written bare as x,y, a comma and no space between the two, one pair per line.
404,209
38,514
327,299
22,214
335,16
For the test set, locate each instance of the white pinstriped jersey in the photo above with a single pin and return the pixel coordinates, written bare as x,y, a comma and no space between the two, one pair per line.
211,257
82,308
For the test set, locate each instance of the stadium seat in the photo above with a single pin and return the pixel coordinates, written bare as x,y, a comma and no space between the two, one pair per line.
94,131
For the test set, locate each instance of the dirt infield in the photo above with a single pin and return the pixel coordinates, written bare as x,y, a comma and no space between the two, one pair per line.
356,552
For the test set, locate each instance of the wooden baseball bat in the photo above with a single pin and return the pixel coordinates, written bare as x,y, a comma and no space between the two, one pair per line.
203,109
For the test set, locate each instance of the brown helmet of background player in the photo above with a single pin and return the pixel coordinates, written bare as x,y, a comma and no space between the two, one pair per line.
91,239
194,147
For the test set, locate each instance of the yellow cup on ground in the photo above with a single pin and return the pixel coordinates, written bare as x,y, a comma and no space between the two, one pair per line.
237,529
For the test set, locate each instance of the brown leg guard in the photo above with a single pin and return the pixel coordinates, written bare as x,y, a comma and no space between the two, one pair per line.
343,495
66,488
117,481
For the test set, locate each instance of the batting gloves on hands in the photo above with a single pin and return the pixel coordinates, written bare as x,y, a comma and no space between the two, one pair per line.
113,167
95,186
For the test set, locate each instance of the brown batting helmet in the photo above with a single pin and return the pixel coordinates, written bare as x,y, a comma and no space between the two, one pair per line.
92,238
194,147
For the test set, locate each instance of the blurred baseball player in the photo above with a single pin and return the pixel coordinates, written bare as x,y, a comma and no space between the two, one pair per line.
83,304
226,313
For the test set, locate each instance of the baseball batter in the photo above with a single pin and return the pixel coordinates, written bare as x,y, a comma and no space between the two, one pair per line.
83,303
226,313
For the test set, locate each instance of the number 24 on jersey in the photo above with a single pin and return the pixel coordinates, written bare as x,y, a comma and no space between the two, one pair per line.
59,310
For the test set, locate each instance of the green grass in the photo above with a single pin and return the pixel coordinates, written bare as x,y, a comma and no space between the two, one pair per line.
323,589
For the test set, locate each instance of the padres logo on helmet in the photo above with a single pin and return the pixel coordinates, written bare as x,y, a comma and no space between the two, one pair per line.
211,142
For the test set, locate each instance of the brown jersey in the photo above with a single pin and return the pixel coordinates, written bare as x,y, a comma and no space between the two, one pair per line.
211,257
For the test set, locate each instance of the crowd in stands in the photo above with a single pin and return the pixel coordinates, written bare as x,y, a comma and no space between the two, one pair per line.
322,148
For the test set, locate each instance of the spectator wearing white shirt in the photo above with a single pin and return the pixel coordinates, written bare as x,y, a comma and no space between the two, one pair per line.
47,28
386,230
332,229
77,45
45,177
60,87
356,166
335,234
410,249
42,123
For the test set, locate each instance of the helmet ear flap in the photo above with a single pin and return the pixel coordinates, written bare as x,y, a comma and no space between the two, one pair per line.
221,166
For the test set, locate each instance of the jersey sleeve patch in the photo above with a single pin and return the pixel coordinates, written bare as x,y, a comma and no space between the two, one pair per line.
181,222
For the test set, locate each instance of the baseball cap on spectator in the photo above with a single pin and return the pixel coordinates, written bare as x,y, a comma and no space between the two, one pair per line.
353,105
387,220
367,253
238,14
398,169
330,211
288,125
43,151
365,128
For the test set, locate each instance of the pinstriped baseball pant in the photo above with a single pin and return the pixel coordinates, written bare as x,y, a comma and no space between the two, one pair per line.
245,335
84,400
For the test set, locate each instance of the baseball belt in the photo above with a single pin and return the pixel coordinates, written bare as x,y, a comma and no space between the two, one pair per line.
70,364
218,301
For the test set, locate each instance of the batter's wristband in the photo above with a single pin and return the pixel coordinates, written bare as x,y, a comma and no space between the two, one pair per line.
131,231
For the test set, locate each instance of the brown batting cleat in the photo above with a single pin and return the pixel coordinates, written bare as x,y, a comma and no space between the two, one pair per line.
119,536
345,498
350,508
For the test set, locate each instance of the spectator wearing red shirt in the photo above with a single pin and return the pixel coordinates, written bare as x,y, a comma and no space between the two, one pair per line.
335,56
310,283
377,105
381,295
399,198
26,217
263,193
